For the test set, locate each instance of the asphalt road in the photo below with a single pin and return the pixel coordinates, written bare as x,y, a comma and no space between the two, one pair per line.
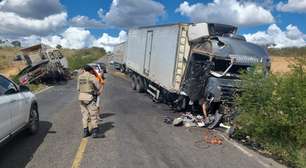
136,136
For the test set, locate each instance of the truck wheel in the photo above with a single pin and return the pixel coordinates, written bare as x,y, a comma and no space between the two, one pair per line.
181,104
133,82
122,69
33,120
139,85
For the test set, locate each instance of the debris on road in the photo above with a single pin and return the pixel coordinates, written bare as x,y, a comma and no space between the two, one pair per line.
189,120
168,120
178,121
211,138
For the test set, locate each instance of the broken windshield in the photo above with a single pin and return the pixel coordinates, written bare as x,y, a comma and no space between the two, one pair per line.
221,66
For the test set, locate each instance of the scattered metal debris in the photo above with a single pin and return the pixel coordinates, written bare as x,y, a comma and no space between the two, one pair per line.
178,121
211,138
168,120
189,120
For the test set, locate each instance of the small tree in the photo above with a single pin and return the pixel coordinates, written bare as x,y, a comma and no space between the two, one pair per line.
59,46
16,43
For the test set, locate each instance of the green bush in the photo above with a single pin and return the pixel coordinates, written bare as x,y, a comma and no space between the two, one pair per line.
82,57
273,112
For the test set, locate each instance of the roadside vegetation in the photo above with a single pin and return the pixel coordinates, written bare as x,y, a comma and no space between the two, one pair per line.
272,113
288,52
79,58
37,87
7,56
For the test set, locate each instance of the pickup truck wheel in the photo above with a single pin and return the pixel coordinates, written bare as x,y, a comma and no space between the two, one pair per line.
133,82
139,85
33,121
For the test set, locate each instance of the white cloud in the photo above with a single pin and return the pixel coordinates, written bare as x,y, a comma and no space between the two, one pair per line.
12,24
36,21
73,37
86,22
131,13
76,38
22,18
108,42
30,40
267,4
275,37
37,9
292,6
233,12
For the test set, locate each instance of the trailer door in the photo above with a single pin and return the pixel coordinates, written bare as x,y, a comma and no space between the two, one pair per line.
148,52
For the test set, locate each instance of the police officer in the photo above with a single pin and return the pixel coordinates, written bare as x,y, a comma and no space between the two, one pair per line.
88,88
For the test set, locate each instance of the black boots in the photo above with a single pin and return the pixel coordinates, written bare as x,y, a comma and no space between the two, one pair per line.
95,133
86,133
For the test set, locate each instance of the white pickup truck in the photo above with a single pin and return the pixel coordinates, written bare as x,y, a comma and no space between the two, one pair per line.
18,109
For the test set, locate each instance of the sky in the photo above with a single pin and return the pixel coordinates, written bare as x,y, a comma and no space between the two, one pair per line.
105,23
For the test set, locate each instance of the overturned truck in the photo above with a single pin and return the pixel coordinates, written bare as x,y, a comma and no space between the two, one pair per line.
184,64
45,64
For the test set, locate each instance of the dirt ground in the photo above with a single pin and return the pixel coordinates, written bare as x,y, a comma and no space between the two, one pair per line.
281,64
13,69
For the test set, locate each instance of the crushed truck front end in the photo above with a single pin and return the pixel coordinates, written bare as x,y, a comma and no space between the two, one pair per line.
214,68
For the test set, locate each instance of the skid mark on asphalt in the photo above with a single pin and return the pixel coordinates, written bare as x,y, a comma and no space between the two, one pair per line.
79,156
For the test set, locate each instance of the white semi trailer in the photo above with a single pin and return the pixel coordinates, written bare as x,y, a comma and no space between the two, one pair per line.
158,54
181,63
118,56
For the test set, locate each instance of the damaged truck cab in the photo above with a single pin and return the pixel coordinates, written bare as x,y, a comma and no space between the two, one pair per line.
214,66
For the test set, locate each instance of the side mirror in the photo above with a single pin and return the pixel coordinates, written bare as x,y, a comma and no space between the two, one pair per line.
24,88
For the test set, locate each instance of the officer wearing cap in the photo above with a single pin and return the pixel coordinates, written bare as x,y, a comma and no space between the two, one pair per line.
88,88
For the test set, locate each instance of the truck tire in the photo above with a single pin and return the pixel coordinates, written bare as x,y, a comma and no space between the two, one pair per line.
139,85
133,82
122,69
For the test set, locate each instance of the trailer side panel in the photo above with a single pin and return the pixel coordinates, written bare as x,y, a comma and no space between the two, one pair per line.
152,53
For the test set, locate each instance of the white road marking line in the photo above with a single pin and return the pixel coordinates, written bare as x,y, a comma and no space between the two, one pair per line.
45,89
